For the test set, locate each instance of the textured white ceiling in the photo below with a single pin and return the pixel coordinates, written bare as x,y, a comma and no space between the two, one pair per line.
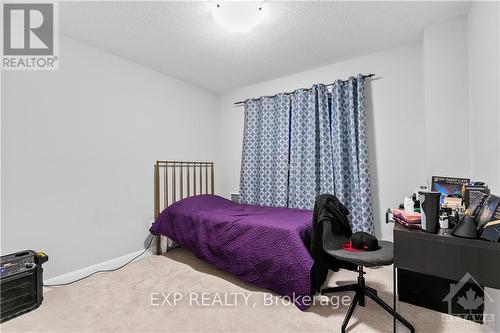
183,40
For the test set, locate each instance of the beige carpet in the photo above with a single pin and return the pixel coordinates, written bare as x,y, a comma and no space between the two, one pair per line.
121,302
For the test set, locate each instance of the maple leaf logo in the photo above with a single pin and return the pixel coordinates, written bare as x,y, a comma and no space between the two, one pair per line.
470,301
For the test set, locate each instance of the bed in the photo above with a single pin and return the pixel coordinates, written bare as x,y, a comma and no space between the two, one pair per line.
263,246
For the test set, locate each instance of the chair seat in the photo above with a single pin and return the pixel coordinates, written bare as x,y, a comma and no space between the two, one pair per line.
380,257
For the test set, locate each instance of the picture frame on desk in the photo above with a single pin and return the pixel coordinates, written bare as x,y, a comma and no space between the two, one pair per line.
448,186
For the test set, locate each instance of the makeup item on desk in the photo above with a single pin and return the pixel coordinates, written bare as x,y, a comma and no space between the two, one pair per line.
452,202
407,224
443,221
447,210
416,203
409,205
453,219
429,205
412,217
410,220
415,196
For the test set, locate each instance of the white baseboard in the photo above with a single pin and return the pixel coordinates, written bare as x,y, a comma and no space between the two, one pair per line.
109,264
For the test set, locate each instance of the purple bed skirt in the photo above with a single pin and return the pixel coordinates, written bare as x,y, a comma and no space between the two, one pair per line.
264,246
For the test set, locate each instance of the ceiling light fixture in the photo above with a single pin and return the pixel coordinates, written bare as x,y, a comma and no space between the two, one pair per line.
238,16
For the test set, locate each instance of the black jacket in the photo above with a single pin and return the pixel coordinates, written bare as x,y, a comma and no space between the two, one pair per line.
327,209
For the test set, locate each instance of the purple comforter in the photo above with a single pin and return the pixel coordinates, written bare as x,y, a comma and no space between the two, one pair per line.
261,245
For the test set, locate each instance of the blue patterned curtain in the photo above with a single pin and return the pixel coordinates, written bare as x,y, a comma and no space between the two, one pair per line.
321,136
350,152
264,162
311,170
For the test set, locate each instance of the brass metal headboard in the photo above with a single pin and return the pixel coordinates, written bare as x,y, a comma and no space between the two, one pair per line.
176,180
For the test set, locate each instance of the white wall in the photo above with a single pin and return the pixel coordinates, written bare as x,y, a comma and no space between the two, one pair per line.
446,98
78,147
484,107
483,37
394,117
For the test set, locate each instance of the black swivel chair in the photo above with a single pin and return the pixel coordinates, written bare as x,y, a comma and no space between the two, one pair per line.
356,261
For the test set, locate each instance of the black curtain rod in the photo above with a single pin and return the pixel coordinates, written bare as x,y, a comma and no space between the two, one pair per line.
288,93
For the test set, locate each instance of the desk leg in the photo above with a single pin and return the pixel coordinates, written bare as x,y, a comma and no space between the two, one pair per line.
394,281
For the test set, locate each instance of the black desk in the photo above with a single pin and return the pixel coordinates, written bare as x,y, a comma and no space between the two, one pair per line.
445,256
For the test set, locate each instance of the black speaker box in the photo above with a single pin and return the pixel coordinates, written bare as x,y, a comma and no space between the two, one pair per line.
21,283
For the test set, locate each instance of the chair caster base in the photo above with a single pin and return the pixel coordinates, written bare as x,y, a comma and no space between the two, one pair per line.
361,292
